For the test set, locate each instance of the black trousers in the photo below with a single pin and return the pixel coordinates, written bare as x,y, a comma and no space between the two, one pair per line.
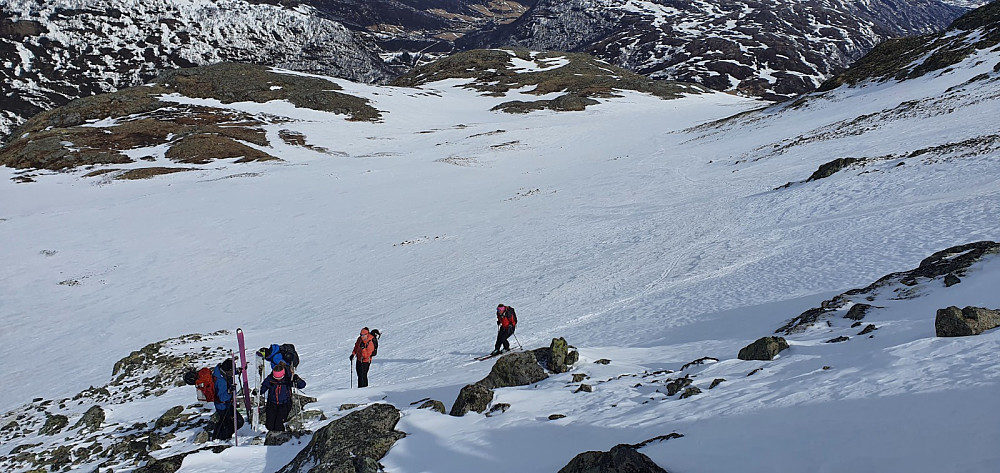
275,416
502,335
224,423
363,373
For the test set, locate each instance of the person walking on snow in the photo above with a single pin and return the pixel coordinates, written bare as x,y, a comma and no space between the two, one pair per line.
278,386
222,376
506,323
364,349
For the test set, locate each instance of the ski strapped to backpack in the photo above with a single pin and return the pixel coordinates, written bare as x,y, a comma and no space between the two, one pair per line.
247,404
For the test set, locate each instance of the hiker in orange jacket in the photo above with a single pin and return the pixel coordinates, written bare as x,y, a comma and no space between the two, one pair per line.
365,348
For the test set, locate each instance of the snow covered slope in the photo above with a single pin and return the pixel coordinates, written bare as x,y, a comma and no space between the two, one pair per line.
648,232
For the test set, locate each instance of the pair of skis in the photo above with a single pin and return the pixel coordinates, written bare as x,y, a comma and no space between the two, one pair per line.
247,403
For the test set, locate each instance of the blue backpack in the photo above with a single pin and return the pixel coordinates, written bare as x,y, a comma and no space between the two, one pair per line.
278,353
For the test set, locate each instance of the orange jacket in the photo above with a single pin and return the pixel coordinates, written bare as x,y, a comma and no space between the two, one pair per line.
364,346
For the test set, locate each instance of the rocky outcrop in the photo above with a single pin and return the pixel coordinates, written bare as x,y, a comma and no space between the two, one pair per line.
514,369
473,397
620,459
91,420
765,348
955,322
353,443
945,264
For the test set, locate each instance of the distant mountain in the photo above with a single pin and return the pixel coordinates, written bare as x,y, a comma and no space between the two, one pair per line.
420,25
776,49
55,51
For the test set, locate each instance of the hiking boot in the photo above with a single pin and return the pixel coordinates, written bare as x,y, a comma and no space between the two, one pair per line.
494,352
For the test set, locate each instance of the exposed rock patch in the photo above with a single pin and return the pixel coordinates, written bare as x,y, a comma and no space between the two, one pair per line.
955,322
764,348
620,459
360,438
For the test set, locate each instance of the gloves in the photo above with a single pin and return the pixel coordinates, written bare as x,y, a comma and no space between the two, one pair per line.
352,357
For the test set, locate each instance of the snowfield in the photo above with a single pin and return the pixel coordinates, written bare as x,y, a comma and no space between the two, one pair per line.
628,229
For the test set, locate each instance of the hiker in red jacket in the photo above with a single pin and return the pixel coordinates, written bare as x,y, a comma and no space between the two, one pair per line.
506,323
364,349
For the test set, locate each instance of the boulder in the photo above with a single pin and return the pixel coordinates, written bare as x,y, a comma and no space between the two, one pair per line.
169,417
474,397
557,355
352,443
515,369
955,322
498,409
621,459
91,420
857,311
765,348
950,280
53,424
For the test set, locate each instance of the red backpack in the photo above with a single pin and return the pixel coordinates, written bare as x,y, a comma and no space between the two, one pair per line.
204,383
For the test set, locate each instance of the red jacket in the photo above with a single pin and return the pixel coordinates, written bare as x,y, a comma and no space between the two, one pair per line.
364,347
506,317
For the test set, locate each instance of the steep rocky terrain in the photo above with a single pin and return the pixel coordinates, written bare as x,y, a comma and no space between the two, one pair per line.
767,49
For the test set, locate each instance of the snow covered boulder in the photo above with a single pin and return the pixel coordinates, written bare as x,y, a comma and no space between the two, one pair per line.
354,442
513,369
621,459
765,348
955,322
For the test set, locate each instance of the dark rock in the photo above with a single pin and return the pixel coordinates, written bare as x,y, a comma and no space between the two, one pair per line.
868,329
498,409
514,369
692,391
572,357
856,324
950,280
557,355
348,406
675,386
53,424
838,339
343,444
765,348
621,459
955,322
169,417
716,382
698,362
858,311
91,420
578,377
556,416
658,438
434,406
754,372
585,388
603,361
830,168
281,438
474,397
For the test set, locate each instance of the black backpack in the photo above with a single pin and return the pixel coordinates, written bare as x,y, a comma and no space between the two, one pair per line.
286,350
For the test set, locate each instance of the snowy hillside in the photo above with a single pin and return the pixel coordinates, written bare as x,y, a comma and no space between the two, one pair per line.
650,233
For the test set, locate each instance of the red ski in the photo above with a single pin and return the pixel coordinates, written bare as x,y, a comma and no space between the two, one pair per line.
246,384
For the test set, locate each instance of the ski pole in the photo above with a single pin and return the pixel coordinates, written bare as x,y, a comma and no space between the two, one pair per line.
232,400
352,374
519,347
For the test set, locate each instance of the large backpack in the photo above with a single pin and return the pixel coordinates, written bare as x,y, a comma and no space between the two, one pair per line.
204,383
510,313
278,353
